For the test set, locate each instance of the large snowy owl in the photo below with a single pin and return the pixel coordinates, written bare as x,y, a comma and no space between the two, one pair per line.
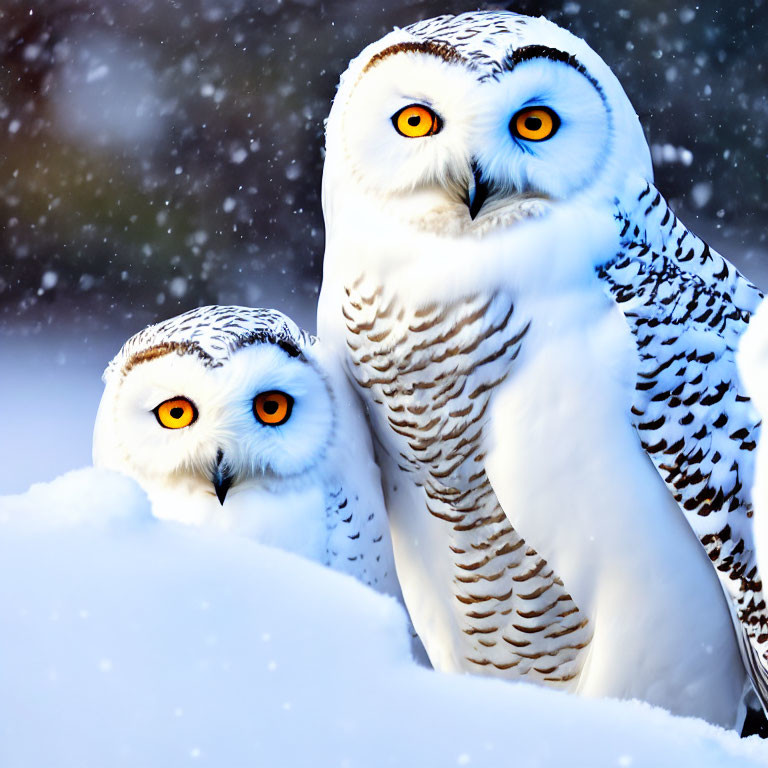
235,417
547,355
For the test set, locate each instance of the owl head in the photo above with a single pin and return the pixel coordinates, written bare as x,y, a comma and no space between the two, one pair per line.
478,115
214,398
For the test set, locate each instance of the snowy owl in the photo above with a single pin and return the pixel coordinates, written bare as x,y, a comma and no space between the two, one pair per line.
234,417
547,356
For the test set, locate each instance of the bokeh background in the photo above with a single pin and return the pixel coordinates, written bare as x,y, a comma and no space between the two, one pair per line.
156,155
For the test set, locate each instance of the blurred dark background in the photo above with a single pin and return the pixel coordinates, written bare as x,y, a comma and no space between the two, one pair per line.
156,155
160,154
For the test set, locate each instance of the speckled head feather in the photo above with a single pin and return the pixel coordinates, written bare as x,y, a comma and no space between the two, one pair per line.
481,39
213,334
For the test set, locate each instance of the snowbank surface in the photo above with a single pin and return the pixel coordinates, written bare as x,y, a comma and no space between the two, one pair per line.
127,641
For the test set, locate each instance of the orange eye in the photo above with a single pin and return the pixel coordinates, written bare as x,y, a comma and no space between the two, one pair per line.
272,408
175,413
534,124
416,121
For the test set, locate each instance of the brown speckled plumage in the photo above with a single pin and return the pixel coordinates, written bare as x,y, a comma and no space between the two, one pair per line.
430,374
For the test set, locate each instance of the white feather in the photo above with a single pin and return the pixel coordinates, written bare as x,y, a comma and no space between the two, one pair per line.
309,485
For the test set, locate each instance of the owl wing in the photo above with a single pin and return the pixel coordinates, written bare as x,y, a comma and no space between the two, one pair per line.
687,308
358,539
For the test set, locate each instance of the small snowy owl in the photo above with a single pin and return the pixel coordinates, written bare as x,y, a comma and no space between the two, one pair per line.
547,355
235,417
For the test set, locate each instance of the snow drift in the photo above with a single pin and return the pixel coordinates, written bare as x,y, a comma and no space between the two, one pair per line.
128,641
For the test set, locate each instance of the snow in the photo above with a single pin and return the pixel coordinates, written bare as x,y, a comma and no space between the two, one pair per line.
667,153
238,155
107,91
702,193
127,641
115,111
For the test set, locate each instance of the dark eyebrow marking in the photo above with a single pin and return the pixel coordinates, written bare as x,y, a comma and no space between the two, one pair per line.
268,337
167,348
528,52
193,348
441,50
290,349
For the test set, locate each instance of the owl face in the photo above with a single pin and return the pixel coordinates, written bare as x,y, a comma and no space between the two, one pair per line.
211,416
477,113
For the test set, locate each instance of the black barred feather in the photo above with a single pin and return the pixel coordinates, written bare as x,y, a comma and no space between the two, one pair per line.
687,308
352,534
213,333
482,39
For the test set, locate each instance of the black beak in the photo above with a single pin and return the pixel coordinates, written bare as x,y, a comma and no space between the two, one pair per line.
478,191
221,478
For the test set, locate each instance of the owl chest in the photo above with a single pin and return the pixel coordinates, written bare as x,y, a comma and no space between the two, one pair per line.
428,374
